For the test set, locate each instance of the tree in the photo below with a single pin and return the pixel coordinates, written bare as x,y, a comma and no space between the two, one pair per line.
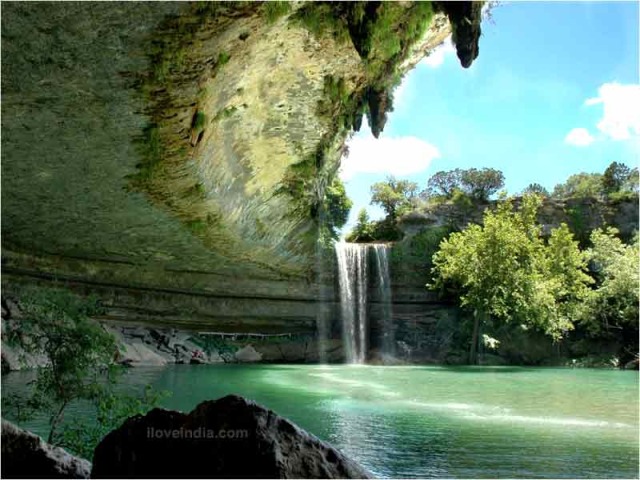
612,309
56,323
631,184
504,271
336,207
478,184
363,231
481,184
537,189
615,177
442,184
394,196
580,185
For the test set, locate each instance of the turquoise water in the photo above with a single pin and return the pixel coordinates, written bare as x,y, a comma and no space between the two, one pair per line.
474,422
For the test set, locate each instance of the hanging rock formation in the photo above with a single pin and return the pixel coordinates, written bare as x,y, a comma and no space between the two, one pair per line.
172,157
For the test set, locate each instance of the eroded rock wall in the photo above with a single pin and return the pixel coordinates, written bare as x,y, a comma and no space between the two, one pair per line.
172,157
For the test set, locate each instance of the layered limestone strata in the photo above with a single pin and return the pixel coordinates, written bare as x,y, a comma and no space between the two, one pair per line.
176,154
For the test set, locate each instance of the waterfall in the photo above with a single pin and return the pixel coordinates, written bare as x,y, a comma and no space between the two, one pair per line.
353,281
384,285
352,277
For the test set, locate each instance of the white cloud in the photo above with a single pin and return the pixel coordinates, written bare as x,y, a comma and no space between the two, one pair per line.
621,110
437,56
579,137
399,156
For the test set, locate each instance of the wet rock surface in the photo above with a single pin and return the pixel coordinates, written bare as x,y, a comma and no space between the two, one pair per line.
231,437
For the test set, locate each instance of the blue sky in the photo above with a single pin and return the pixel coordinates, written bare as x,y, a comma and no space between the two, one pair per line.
553,92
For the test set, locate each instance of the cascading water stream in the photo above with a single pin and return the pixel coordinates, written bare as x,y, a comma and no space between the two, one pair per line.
384,285
353,281
352,277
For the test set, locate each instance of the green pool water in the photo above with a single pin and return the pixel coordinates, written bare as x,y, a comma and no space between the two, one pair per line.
484,422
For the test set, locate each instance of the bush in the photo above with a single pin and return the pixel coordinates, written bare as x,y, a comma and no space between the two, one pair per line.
57,324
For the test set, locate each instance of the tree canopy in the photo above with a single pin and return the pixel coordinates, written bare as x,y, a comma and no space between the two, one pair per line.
537,189
364,229
393,195
479,184
504,270
336,207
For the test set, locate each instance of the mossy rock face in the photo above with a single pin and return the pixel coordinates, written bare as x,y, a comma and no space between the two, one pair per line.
183,136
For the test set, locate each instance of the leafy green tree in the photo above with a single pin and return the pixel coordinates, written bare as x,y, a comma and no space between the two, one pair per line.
537,189
612,309
363,231
580,185
55,323
631,184
615,177
481,184
336,207
442,184
394,196
504,271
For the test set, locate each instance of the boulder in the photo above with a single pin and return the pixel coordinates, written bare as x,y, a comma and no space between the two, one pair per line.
15,358
25,455
248,354
226,438
138,354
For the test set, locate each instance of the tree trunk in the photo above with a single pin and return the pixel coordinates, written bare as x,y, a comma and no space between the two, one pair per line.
473,351
54,423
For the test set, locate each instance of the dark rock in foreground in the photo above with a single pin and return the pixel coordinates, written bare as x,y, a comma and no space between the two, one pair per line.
25,455
227,438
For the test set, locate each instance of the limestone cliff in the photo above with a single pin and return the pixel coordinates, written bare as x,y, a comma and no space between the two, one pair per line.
175,154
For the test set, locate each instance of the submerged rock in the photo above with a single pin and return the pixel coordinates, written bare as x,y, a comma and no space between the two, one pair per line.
25,455
226,438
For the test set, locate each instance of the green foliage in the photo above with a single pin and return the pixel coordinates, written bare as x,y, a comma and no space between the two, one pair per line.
56,323
197,226
199,121
213,343
504,270
614,304
321,18
615,176
414,256
336,207
223,58
337,103
394,196
111,411
382,33
442,184
479,184
580,185
578,217
363,230
274,10
535,188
